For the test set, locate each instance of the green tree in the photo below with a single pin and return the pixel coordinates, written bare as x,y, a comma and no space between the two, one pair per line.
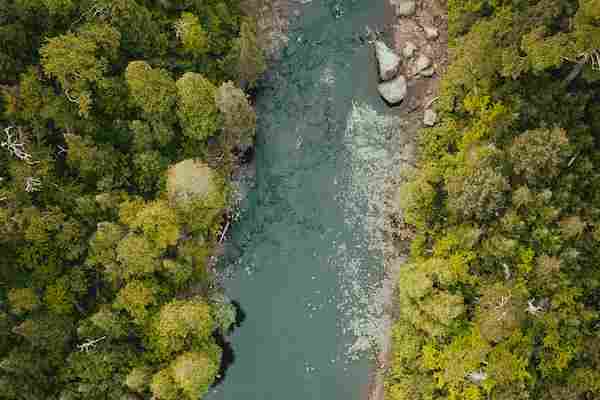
138,379
149,168
538,154
196,106
138,256
179,322
151,89
80,60
93,374
192,35
23,300
248,55
478,190
103,249
59,297
104,322
501,311
163,386
136,297
194,372
158,223
47,332
96,164
237,116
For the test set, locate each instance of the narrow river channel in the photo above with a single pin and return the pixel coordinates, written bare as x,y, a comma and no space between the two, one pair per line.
304,260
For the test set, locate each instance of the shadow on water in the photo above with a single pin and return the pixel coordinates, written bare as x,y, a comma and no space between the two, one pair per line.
228,356
240,315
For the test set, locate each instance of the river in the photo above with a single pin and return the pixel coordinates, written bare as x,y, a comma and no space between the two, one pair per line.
304,260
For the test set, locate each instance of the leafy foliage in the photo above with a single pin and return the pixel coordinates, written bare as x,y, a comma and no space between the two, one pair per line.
500,299
105,287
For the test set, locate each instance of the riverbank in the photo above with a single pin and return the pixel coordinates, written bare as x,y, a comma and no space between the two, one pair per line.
420,37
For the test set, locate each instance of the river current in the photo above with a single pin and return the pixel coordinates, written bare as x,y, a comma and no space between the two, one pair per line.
305,258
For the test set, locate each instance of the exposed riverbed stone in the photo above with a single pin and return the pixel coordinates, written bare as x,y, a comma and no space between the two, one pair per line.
431,33
430,117
423,62
393,91
388,61
409,49
405,8
427,72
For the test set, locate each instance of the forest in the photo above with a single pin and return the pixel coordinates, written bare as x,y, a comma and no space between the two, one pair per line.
500,299
121,122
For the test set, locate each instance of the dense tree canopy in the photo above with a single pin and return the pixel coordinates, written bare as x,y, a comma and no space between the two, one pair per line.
104,287
500,299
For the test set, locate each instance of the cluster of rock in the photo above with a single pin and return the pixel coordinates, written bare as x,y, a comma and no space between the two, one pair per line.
393,86
396,70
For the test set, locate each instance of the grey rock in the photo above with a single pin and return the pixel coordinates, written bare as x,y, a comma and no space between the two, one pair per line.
428,72
393,91
423,62
430,117
405,8
388,61
409,50
430,32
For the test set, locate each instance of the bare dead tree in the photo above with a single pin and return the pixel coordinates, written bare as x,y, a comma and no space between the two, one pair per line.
477,377
2,198
503,302
591,57
90,344
532,308
507,274
94,11
15,145
224,232
32,184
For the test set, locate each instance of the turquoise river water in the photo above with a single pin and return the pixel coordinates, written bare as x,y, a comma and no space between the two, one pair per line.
303,260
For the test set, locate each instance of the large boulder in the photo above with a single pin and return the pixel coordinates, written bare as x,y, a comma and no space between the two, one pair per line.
389,62
393,91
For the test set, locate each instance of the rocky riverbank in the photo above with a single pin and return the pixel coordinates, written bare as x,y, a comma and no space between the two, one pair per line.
409,72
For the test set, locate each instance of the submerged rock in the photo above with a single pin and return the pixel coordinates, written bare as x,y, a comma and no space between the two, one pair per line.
388,61
430,117
393,91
